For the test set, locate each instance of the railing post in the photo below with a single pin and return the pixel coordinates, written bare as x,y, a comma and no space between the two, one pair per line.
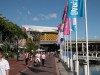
92,55
96,55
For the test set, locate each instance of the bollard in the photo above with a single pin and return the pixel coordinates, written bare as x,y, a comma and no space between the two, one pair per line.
77,67
85,68
65,59
68,61
71,65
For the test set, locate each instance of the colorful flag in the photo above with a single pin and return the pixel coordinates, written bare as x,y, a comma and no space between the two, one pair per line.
66,30
75,8
74,24
62,27
59,38
65,13
59,26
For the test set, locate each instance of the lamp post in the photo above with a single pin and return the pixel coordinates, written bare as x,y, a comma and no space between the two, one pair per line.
17,50
16,38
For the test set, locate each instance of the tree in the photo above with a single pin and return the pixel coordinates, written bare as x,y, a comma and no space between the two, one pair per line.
30,45
9,29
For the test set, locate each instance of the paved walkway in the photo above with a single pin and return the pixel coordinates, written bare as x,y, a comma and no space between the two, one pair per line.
19,67
51,67
48,69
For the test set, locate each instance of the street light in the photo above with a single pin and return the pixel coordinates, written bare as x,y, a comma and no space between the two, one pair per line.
16,38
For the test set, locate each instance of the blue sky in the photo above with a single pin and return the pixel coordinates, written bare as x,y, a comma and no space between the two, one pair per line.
49,13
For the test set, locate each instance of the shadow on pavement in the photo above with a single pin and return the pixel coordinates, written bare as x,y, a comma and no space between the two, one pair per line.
21,73
37,70
47,66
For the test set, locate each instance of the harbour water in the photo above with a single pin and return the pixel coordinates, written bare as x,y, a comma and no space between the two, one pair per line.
94,69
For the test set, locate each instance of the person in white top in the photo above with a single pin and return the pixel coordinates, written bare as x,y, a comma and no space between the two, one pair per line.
4,65
38,55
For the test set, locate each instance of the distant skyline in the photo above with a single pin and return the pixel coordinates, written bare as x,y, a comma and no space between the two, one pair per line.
49,13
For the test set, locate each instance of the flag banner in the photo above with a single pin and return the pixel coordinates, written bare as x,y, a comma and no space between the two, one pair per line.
62,27
61,35
64,13
59,27
66,30
75,8
74,27
74,22
59,38
62,39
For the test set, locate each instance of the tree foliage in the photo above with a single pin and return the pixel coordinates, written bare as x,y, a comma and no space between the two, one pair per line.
30,45
9,29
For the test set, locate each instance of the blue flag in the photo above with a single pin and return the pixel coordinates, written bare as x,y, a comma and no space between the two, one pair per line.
74,22
74,27
75,8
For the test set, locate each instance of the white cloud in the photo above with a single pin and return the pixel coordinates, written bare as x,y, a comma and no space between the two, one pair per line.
26,10
95,37
19,12
45,17
53,15
49,16
35,19
23,8
29,13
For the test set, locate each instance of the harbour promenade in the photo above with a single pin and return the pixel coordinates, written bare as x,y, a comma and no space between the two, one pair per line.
51,67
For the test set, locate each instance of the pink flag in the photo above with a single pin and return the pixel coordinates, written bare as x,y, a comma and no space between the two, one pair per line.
58,39
60,35
65,13
66,30
62,27
59,26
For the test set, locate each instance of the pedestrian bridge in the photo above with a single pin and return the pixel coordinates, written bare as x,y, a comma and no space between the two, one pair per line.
93,55
90,58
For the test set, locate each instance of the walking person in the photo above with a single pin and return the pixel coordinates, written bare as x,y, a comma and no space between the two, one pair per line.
37,58
4,65
43,57
26,55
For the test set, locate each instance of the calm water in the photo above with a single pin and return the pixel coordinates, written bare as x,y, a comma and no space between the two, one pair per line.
94,70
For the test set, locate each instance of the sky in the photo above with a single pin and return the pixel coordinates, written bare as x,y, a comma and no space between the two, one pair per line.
49,13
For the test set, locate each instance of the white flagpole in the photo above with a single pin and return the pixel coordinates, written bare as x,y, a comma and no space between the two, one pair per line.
77,62
67,53
71,49
61,50
65,57
86,32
